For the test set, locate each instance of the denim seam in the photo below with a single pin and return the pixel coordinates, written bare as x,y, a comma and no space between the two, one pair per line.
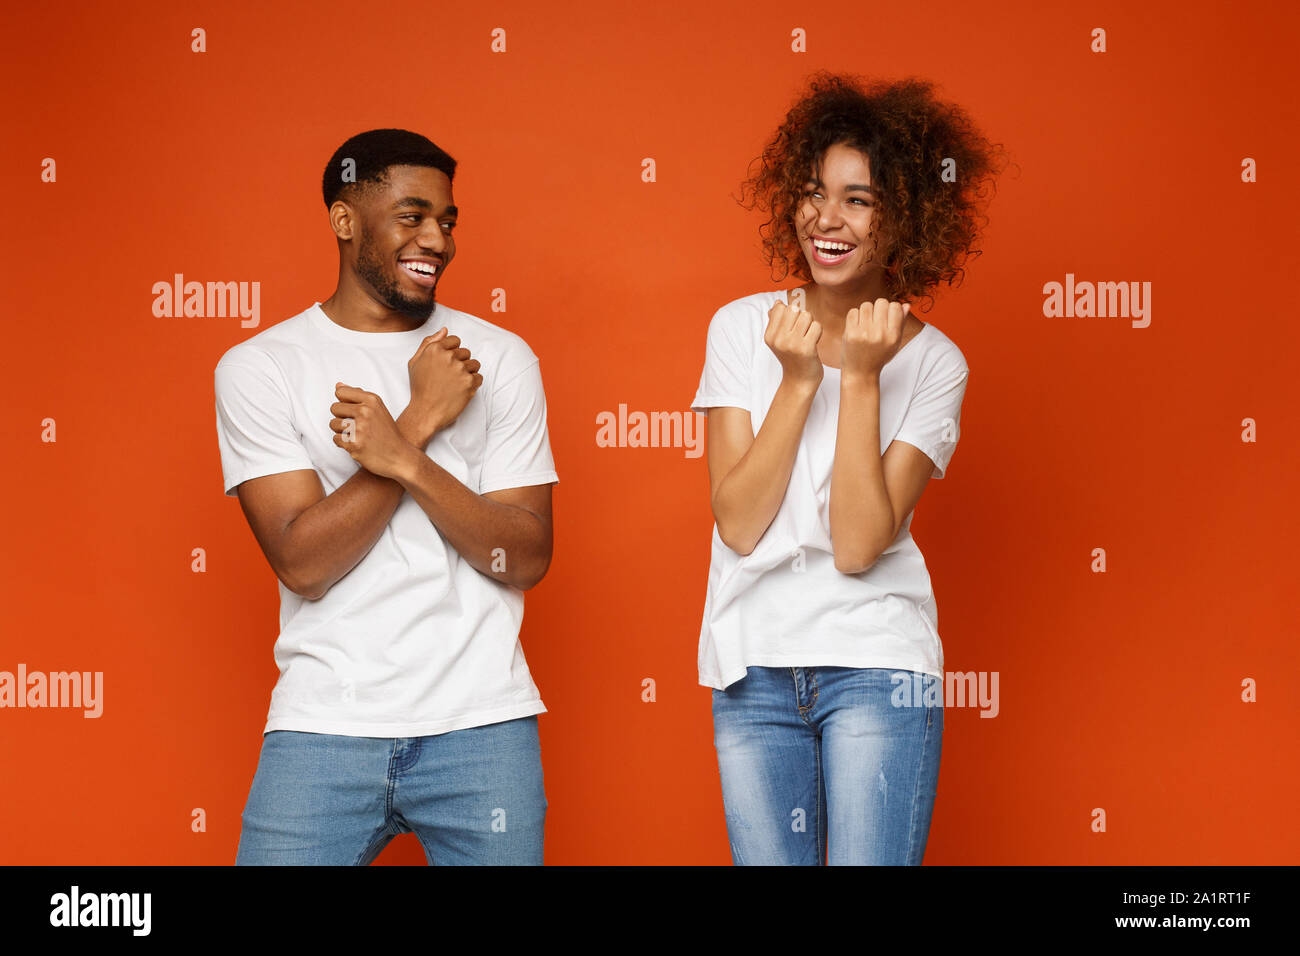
428,854
917,796
817,796
804,712
368,850
388,810
389,783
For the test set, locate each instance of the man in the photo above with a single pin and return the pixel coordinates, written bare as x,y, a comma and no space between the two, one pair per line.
402,544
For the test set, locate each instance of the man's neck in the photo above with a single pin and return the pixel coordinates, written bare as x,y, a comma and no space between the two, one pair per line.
354,309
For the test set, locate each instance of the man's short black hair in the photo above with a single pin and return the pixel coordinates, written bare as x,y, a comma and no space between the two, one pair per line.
371,153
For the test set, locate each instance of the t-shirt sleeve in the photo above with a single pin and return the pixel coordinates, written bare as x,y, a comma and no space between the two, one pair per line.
518,449
933,418
727,364
255,430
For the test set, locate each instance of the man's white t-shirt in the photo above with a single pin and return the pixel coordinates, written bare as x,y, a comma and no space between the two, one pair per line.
785,604
413,640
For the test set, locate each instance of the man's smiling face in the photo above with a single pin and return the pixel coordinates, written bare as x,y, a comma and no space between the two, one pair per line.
405,238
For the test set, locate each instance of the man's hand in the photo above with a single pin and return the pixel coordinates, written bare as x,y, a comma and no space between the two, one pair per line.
367,432
443,380
873,334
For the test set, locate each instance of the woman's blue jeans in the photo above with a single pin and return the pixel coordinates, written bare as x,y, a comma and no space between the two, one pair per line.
819,765
472,796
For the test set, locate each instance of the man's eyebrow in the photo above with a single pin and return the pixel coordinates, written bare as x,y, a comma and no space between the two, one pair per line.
424,204
848,189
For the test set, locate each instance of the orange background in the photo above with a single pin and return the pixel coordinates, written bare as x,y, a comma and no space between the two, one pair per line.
1118,690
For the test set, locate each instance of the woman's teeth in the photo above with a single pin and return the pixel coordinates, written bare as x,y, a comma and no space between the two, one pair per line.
831,251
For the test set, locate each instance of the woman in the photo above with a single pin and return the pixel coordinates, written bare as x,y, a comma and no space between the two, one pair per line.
830,407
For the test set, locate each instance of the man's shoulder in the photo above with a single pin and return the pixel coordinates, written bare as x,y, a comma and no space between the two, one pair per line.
259,350
506,351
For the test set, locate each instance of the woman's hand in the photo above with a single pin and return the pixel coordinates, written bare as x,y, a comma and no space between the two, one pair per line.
873,334
792,336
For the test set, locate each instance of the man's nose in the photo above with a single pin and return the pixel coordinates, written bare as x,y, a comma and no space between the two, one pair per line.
435,239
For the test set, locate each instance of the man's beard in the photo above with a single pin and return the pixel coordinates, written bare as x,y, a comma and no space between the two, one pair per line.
371,268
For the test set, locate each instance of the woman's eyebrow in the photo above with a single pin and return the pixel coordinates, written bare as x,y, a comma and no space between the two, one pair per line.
847,189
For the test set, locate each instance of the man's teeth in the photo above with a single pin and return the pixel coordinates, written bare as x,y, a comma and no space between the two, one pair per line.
421,267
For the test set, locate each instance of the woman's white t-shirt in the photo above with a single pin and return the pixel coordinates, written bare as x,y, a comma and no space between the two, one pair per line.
784,604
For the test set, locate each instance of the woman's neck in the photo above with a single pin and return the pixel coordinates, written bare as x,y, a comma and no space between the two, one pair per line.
829,311
829,306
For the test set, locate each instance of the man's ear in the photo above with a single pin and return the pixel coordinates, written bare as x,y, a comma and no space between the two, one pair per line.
342,220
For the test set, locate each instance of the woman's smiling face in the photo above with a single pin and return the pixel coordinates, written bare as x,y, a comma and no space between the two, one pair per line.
834,219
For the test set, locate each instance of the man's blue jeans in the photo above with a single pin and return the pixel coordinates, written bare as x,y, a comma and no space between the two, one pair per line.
818,765
472,796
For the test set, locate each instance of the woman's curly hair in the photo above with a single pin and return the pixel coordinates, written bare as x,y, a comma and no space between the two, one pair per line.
924,224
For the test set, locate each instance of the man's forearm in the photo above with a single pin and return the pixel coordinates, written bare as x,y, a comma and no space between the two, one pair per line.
506,543
330,538
861,514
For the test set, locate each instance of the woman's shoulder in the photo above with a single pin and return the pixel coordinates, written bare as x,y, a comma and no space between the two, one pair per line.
937,349
749,310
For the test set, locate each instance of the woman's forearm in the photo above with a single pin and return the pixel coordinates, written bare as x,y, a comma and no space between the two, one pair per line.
750,495
861,513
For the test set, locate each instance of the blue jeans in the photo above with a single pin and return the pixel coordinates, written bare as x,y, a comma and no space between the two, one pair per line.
470,796
818,765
